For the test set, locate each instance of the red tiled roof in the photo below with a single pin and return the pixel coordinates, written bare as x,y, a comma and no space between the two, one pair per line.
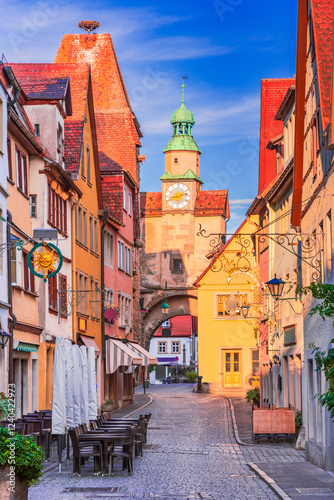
107,165
79,74
46,89
212,203
151,203
272,94
116,124
323,15
112,192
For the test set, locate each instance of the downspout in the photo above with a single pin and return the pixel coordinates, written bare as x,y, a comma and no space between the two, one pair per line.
104,218
10,302
73,255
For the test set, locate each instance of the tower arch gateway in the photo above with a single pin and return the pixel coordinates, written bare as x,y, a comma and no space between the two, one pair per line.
174,255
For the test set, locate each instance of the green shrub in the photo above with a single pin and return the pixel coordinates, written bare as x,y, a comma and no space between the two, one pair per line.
191,376
26,457
253,396
108,402
298,419
4,403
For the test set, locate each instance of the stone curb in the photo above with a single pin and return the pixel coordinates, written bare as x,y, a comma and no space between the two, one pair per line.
51,468
234,422
142,407
273,485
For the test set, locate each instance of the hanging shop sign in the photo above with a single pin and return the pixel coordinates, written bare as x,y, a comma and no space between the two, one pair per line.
48,260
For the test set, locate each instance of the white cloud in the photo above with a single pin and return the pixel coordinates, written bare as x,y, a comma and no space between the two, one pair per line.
244,201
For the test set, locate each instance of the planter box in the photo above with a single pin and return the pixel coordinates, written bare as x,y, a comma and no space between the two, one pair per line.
107,407
20,487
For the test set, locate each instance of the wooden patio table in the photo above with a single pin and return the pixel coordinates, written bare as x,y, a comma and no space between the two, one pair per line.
107,439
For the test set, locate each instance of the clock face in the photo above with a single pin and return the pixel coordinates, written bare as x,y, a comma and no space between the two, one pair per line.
177,196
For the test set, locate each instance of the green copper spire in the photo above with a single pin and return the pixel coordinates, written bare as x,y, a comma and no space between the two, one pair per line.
182,121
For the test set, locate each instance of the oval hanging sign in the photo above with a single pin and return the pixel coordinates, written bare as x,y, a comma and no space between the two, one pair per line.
49,260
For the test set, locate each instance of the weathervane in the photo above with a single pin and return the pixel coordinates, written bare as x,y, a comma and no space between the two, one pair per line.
88,25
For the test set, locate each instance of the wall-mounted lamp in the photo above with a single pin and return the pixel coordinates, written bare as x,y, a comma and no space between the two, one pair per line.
164,308
275,287
276,360
244,310
4,337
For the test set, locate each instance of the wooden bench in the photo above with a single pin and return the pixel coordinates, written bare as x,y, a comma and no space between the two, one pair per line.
273,422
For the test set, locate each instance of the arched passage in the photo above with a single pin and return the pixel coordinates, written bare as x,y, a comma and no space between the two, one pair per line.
182,304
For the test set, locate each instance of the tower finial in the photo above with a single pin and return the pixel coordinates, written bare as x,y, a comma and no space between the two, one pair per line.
183,80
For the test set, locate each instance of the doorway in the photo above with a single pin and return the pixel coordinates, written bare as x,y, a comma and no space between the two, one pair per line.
232,368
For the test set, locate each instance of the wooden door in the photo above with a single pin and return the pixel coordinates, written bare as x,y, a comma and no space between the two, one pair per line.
232,368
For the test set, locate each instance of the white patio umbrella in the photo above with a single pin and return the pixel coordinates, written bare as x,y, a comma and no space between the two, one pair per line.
77,399
59,388
84,378
92,404
69,384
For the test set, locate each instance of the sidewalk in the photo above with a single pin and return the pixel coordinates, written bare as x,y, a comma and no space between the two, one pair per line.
281,466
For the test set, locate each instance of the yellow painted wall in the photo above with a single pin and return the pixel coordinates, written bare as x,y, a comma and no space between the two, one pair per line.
218,333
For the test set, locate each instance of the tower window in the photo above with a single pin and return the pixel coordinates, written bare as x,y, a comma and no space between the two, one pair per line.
176,160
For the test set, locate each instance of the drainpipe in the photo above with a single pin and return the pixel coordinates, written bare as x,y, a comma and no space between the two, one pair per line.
73,258
104,218
10,301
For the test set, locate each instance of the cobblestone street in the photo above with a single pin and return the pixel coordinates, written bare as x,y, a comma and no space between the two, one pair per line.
191,453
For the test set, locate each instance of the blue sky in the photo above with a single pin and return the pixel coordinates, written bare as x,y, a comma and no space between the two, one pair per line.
224,47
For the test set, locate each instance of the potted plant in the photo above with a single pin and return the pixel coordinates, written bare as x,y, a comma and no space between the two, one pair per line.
298,421
4,403
21,464
108,405
253,396
191,376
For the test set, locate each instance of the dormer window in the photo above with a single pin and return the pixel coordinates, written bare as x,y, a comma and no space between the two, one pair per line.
60,143
176,160
37,129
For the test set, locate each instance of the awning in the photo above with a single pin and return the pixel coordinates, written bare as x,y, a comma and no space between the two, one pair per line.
118,354
89,342
22,346
148,358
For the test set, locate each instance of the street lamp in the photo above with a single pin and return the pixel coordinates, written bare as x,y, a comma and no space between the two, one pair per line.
4,337
276,359
275,287
164,308
244,310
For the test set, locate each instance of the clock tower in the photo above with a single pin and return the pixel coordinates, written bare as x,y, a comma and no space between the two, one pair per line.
181,181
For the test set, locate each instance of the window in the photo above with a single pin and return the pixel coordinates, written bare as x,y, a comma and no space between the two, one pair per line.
255,363
315,142
63,294
176,347
229,305
9,155
124,198
60,143
328,236
80,224
84,223
33,206
92,288
16,264
129,203
121,255
96,232
86,296
177,264
289,335
53,293
166,324
91,232
108,298
176,160
57,211
82,160
162,347
97,300
88,162
109,249
37,130
127,255
21,171
28,276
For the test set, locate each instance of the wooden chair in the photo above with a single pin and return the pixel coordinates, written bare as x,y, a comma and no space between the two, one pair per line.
82,450
126,453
